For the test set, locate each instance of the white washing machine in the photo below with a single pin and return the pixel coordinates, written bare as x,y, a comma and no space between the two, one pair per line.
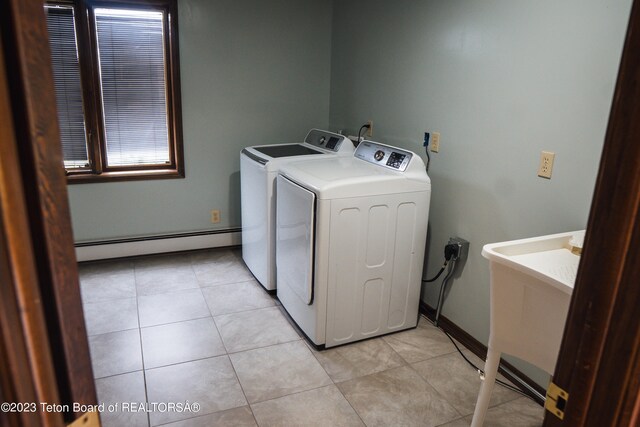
259,167
351,235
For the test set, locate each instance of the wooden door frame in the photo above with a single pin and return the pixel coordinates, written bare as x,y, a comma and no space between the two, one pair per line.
42,187
26,366
599,359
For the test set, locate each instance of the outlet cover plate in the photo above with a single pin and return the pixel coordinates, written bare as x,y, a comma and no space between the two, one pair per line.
546,164
435,142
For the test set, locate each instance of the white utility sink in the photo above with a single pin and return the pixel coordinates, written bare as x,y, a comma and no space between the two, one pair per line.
531,285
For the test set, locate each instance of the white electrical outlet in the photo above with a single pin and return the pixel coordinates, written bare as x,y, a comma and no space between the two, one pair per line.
546,164
435,142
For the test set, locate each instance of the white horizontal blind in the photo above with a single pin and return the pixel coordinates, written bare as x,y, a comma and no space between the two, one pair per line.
66,76
132,72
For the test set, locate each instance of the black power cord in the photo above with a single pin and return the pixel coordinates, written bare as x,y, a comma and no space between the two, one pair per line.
364,126
450,252
426,149
437,275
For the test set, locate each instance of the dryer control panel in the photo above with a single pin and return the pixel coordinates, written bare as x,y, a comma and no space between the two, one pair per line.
383,155
327,140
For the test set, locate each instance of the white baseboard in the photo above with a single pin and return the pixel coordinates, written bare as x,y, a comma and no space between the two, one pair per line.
158,244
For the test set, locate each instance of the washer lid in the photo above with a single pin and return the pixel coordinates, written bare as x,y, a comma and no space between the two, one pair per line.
286,150
317,143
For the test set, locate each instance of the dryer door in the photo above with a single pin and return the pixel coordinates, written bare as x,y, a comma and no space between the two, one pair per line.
295,231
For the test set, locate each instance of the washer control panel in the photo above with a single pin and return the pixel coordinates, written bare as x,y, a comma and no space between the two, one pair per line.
327,140
383,155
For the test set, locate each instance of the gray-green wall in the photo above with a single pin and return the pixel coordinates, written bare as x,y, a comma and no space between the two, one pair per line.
500,80
252,72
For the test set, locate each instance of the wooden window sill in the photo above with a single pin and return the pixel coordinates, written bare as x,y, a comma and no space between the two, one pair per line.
86,178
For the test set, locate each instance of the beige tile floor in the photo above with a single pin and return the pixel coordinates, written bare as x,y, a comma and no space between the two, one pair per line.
196,327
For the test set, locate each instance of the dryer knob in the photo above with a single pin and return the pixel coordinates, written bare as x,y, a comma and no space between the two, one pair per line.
378,155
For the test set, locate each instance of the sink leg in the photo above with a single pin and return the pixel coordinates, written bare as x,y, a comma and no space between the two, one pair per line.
490,371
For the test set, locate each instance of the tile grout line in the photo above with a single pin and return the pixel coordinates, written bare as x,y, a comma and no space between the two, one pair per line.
144,371
292,394
351,405
235,312
215,325
335,384
263,347
120,373
432,386
215,285
226,354
457,354
438,393
241,388
174,322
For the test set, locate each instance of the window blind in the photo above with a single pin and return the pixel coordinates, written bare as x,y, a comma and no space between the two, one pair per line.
132,73
66,76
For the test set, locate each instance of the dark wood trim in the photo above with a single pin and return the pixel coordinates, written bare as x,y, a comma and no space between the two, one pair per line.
599,360
480,350
99,170
140,175
174,90
26,367
150,4
33,105
89,79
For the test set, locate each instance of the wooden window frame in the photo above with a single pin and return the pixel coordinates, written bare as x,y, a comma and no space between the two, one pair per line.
98,171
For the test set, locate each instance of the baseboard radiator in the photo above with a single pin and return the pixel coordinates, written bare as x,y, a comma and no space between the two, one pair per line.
120,248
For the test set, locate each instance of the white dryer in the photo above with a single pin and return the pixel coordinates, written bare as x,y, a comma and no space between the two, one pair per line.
259,167
351,235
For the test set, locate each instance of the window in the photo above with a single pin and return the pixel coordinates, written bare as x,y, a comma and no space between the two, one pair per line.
115,69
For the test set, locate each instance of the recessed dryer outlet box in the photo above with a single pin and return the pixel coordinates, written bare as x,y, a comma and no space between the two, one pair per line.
370,129
462,247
